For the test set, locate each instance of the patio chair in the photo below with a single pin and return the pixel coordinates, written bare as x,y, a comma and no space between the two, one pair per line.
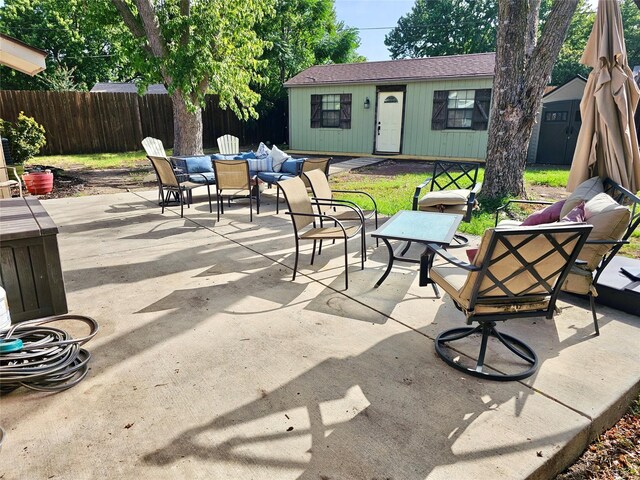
517,273
302,214
234,181
614,213
322,191
17,183
169,184
228,145
308,164
154,147
453,188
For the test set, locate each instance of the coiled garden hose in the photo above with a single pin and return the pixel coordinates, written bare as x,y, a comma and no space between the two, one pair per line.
43,358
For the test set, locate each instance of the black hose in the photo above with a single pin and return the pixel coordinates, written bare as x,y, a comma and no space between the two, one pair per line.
50,360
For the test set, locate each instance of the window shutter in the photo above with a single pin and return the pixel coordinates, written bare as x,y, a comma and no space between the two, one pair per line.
345,110
316,110
481,105
439,116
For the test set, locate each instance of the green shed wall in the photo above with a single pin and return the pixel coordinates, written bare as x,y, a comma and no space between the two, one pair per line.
417,138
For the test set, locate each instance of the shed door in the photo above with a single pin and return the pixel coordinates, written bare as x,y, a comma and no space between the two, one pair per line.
559,127
389,122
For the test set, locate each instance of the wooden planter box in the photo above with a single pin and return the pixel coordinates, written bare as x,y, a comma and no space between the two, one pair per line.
30,269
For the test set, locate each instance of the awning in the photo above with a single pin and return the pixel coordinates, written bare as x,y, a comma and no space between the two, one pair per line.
20,56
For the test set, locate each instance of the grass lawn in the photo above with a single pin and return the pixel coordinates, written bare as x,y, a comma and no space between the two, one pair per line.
395,193
94,161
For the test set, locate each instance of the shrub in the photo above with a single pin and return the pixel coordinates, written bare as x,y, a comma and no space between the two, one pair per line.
26,137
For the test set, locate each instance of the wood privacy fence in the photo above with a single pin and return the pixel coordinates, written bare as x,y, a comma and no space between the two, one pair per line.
82,122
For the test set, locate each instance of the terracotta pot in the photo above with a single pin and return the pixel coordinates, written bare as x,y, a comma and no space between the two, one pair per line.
38,183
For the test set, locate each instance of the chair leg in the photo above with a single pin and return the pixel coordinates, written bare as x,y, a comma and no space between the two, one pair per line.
295,263
163,199
377,239
209,197
363,247
218,203
405,249
313,253
346,266
277,198
592,303
181,204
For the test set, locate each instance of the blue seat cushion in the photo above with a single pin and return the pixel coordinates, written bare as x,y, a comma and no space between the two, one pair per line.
197,164
273,177
203,178
292,166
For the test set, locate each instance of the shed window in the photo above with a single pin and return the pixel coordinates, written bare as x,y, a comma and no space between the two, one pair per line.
331,111
461,109
391,99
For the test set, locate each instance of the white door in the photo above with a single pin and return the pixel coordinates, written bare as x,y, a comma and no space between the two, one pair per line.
389,122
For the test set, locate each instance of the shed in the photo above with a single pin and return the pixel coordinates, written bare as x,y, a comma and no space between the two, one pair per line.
555,132
436,107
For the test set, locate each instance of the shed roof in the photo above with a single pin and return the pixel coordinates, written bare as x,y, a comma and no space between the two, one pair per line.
116,87
413,69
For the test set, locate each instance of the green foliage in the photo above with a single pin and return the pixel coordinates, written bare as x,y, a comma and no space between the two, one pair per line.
631,22
76,42
26,137
299,34
60,79
444,27
209,47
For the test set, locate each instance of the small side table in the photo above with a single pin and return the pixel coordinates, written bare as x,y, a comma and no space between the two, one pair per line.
418,227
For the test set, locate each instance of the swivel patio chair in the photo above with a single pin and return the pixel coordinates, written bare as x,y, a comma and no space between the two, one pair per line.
170,184
233,181
517,273
323,192
453,188
306,224
228,145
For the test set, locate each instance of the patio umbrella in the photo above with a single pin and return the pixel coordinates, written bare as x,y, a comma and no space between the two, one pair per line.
607,144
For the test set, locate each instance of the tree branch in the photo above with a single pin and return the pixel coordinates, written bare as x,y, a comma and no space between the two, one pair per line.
151,27
185,11
129,19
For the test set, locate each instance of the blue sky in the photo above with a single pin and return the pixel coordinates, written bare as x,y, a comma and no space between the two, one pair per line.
372,14
376,14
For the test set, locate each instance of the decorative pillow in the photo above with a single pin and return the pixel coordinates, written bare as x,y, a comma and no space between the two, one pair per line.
246,155
471,254
583,192
264,164
278,158
262,151
198,164
610,221
292,165
575,215
546,215
219,156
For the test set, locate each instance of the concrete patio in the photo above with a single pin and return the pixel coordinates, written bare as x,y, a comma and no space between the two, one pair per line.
211,363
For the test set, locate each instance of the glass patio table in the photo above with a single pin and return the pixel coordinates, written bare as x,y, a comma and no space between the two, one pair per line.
419,227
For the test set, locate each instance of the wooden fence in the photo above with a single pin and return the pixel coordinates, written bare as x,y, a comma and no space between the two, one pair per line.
82,122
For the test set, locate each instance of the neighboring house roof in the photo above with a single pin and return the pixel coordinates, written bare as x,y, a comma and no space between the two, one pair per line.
115,87
414,69
549,89
20,56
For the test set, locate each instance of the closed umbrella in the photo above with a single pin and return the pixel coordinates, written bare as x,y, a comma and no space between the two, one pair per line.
607,144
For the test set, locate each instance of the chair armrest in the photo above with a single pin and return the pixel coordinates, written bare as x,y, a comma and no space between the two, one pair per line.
333,202
451,259
476,189
319,215
606,242
416,195
358,192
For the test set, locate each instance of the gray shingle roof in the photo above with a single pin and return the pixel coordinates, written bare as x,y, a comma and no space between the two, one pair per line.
115,87
430,68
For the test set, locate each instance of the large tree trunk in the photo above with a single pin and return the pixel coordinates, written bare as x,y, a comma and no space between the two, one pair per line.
521,74
187,127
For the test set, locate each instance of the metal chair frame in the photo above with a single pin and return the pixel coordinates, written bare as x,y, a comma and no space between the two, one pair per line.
307,165
487,322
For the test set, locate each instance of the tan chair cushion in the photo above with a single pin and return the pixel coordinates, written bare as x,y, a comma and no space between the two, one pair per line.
579,281
585,191
610,221
445,197
329,233
508,223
